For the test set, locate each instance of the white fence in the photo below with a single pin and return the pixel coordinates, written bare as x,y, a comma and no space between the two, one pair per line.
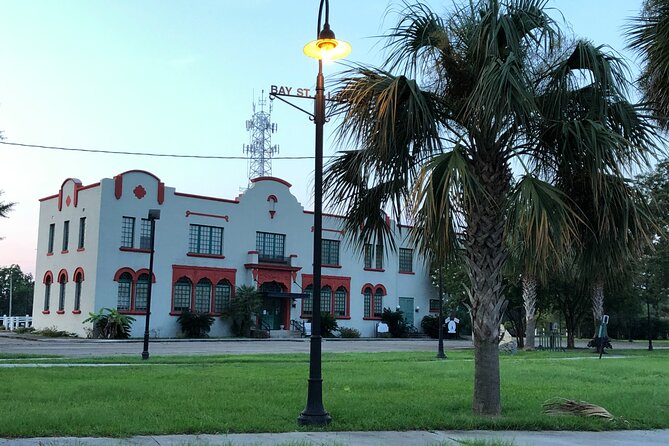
14,322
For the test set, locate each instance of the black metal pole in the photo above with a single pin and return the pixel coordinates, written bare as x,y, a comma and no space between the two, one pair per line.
145,352
650,331
440,351
315,414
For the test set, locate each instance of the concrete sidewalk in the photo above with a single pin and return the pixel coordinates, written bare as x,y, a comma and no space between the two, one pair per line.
411,438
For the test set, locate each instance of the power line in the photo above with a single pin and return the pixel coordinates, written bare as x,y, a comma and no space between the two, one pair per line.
160,155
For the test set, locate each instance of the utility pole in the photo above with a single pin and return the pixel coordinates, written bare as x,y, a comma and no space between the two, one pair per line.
10,293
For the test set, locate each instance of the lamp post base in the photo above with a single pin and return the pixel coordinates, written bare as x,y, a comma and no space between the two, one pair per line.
315,419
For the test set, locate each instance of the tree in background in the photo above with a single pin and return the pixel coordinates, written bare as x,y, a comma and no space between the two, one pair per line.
22,291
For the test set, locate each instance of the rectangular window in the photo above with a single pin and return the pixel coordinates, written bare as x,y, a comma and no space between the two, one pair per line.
373,255
47,295
307,302
61,296
270,246
406,260
340,302
82,232
369,250
330,252
141,293
128,232
367,305
326,300
52,232
434,305
379,256
66,234
145,234
205,240
222,297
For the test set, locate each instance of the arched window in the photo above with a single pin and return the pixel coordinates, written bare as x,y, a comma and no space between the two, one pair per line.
367,293
222,296
78,278
62,280
340,302
124,292
47,291
307,302
378,302
203,296
141,292
182,294
326,299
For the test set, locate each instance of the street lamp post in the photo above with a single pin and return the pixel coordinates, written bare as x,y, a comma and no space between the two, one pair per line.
154,214
324,47
440,351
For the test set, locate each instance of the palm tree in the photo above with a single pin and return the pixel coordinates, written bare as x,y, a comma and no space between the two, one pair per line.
474,92
5,207
648,34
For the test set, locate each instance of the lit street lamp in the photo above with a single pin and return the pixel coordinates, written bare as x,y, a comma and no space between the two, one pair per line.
154,214
324,47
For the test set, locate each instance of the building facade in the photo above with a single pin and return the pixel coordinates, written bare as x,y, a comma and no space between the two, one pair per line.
93,253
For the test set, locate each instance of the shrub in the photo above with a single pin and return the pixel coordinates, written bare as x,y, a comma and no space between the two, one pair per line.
24,330
328,325
110,324
397,325
195,325
53,332
430,326
346,332
243,310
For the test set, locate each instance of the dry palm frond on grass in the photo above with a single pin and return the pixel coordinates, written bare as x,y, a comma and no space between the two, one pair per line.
564,406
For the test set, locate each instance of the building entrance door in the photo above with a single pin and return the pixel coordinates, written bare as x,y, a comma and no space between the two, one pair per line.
273,308
272,314
406,307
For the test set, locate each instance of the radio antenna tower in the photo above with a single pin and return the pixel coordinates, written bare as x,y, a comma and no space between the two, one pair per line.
260,149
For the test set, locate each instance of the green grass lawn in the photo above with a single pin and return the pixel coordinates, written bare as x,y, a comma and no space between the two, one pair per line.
362,391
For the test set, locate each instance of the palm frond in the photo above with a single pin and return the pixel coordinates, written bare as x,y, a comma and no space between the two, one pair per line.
541,224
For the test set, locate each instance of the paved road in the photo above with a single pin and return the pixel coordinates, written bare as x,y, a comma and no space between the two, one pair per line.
74,347
89,347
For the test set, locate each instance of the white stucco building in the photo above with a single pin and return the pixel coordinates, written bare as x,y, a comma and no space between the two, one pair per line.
93,252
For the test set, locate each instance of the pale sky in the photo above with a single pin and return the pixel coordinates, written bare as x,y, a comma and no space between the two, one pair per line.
177,76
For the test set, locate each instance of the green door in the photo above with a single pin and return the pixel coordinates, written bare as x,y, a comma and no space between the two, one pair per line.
272,315
406,307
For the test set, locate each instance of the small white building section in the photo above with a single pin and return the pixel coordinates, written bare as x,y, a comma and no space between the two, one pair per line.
93,253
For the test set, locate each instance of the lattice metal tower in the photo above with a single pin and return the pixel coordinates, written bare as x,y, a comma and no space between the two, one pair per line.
260,149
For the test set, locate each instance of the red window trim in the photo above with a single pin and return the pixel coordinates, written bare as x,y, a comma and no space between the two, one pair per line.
134,278
411,273
64,252
196,273
49,253
209,256
60,311
76,311
81,249
133,312
125,249
375,270
46,312
331,266
371,318
334,282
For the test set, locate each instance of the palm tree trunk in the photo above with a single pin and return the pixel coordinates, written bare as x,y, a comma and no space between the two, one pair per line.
597,304
485,256
530,304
